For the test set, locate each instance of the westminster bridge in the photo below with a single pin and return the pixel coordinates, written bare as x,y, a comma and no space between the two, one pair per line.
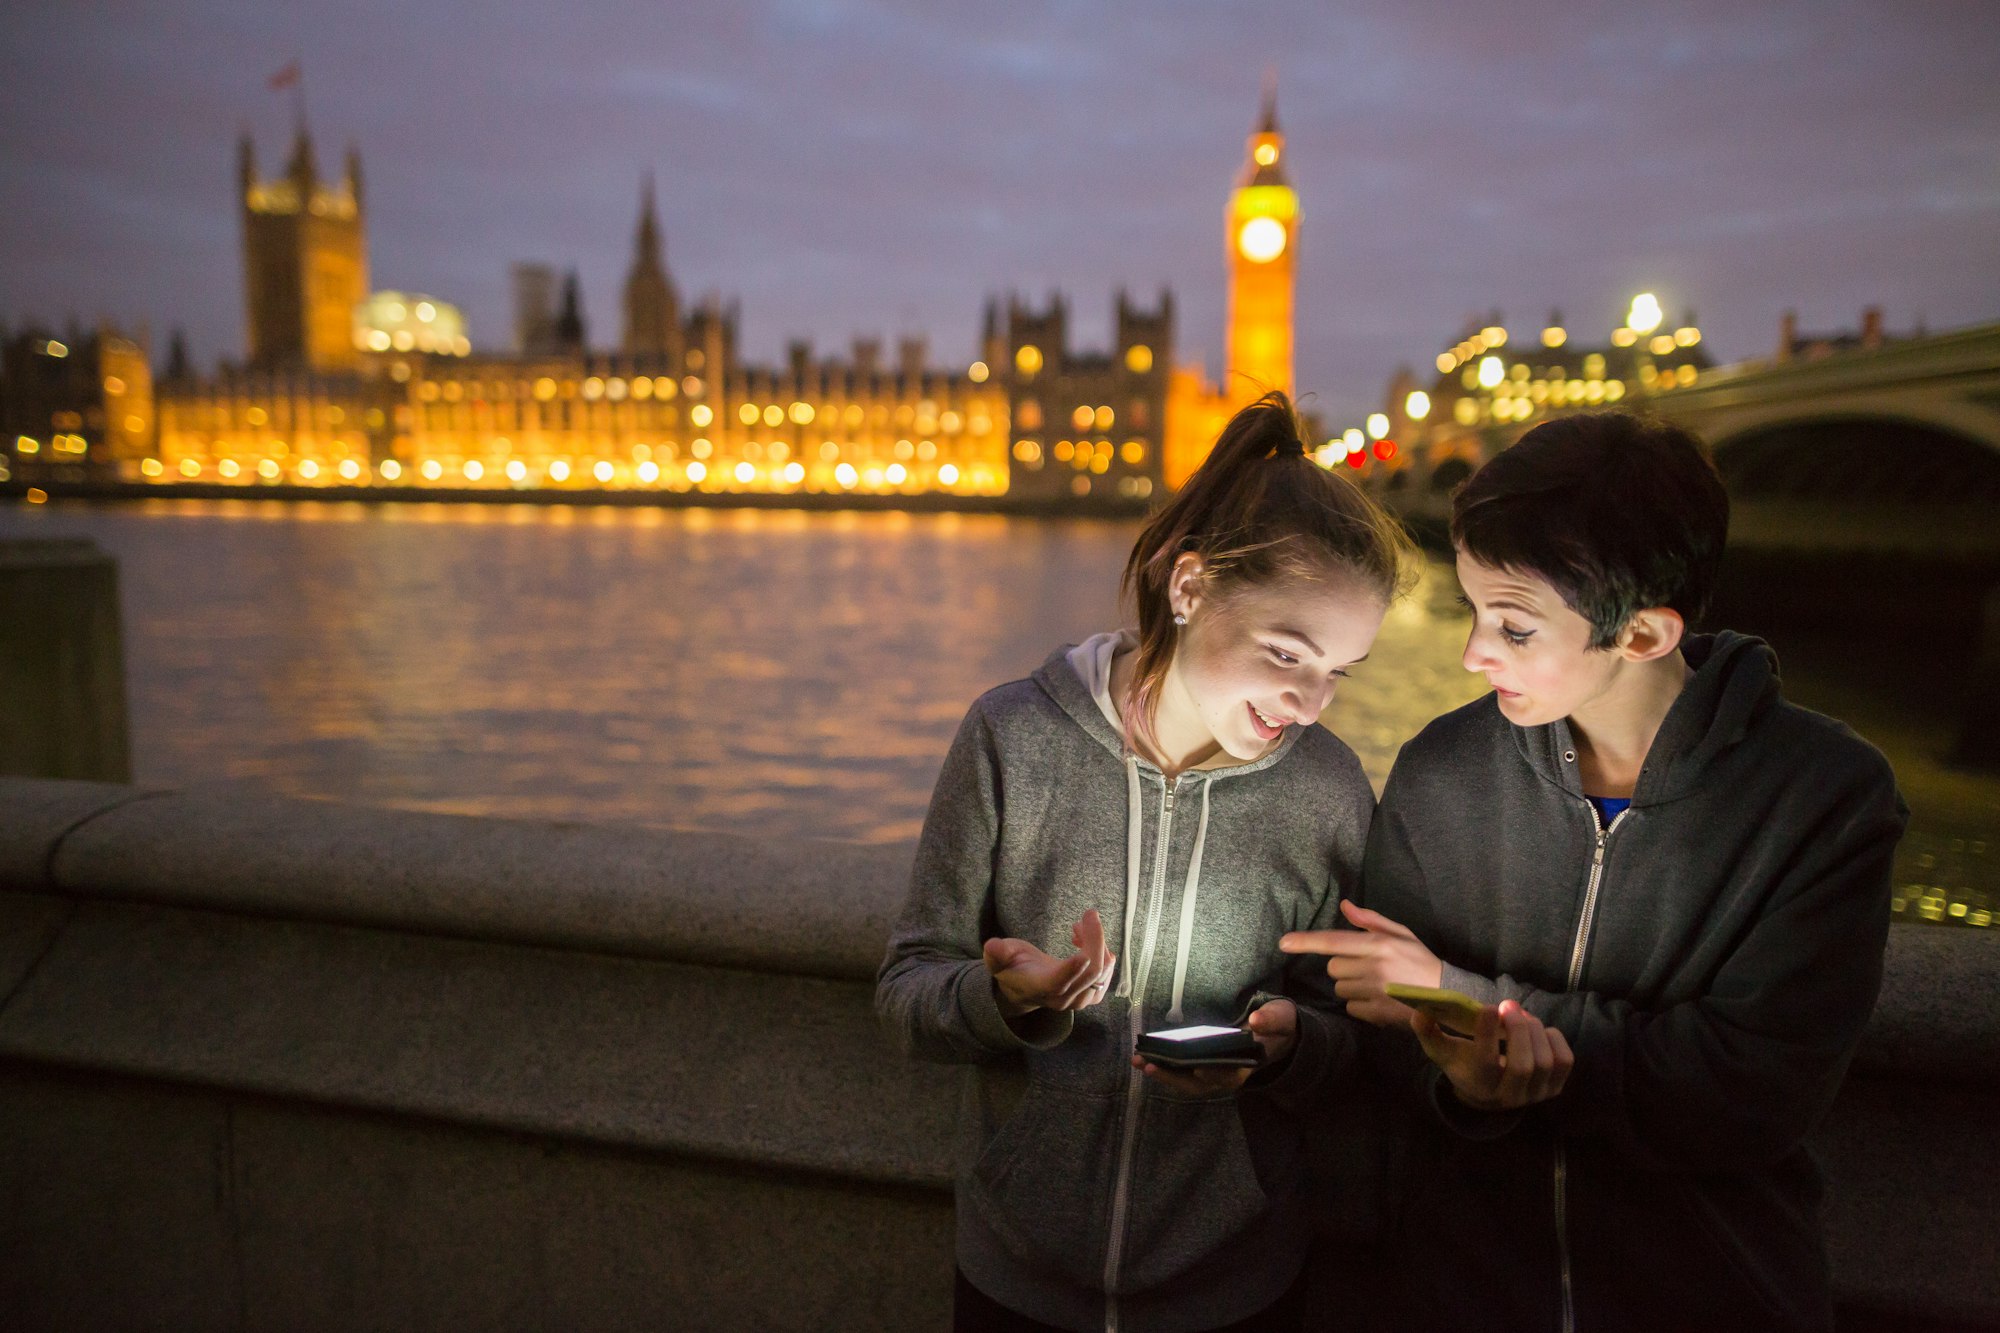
1887,448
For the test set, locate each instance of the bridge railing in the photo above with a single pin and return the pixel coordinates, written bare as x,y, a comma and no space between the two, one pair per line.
299,1064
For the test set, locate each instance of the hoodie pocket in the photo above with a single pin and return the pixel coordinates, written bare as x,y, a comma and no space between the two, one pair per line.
1043,1183
1193,1188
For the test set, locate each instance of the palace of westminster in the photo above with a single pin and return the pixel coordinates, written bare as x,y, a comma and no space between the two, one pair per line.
345,389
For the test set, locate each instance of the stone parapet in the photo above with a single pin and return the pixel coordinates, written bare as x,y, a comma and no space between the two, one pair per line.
281,1063
804,907
62,662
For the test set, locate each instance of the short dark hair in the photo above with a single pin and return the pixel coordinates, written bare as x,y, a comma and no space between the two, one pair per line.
1618,512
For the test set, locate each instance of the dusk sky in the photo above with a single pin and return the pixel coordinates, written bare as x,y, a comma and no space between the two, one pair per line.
853,167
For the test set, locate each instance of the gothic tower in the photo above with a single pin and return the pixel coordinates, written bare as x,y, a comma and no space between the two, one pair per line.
571,336
305,259
652,317
1263,230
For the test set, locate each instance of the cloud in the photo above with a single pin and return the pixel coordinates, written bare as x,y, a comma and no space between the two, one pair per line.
857,165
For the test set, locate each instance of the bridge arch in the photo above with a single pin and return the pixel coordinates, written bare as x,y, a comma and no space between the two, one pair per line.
1858,456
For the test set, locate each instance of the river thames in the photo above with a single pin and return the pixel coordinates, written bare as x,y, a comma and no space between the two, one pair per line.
765,672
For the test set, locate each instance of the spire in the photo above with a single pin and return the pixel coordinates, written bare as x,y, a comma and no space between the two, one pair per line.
648,241
1267,141
354,173
569,331
652,310
179,368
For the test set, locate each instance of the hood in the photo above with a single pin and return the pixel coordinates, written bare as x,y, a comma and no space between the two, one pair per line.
1078,679
1735,682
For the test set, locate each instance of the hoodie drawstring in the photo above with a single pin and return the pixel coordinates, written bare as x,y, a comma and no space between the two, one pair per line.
1133,820
1188,890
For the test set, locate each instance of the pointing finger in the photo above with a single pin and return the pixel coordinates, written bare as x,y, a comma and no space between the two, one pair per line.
1329,943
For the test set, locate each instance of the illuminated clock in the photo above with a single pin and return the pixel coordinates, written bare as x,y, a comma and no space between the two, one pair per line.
1261,240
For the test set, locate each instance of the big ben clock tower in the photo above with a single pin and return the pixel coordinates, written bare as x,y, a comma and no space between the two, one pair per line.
1263,234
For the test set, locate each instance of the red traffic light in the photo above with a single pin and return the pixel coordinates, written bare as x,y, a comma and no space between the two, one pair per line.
1385,449
1357,458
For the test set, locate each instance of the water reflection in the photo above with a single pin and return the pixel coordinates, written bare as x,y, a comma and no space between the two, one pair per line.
758,671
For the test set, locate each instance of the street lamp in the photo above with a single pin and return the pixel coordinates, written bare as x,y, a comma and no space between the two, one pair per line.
1644,316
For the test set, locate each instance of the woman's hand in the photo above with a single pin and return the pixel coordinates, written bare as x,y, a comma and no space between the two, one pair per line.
1194,1083
1026,979
1533,1068
1363,961
1275,1025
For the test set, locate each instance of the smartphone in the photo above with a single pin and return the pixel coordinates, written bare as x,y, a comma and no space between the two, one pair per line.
1456,1013
1201,1047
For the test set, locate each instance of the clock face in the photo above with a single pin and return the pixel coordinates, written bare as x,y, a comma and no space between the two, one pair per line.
1261,240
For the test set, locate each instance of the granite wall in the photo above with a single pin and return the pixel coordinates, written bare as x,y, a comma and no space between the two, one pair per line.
268,1063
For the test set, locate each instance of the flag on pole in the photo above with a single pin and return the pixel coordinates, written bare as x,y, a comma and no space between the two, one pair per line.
288,77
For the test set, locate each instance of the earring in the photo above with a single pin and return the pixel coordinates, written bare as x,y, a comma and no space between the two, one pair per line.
1179,619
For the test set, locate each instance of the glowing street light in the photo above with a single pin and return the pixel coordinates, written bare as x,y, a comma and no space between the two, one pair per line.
1378,425
1418,405
1491,372
1645,315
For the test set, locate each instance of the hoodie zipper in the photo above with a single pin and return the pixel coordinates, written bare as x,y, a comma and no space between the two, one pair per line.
1576,953
1135,1083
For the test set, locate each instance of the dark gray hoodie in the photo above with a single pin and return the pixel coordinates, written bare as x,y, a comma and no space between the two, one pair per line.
1712,958
1089,1196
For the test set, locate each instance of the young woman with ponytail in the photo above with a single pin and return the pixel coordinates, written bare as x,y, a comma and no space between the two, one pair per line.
1115,846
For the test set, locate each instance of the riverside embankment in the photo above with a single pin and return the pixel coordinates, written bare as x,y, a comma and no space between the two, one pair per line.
277,1063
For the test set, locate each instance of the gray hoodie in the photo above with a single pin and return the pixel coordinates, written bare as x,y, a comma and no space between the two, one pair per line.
1712,957
1089,1196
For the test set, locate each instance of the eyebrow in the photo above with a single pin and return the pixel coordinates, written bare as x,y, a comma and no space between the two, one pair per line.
1502,603
1306,639
1300,635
